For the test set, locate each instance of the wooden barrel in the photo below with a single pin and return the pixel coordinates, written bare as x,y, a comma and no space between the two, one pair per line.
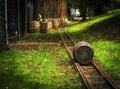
83,52
55,23
33,26
45,26
50,24
63,22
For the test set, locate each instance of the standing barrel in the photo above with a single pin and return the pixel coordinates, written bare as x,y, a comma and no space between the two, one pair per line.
83,52
45,26
55,23
33,26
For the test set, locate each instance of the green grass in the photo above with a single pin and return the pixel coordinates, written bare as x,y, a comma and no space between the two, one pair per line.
102,33
50,67
46,68
89,24
50,36
108,54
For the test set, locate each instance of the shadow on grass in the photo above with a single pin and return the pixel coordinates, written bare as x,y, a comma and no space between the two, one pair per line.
18,71
10,78
44,37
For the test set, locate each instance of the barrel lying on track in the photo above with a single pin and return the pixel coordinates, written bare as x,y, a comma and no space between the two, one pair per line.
55,23
83,52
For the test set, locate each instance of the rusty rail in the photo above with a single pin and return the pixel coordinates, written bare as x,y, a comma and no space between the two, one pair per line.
76,64
106,76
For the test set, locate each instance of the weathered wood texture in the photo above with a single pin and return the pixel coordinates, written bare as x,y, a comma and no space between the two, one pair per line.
12,17
83,52
22,18
2,26
20,13
52,8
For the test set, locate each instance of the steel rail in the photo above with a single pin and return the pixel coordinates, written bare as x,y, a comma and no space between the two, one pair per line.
105,75
69,36
87,84
79,68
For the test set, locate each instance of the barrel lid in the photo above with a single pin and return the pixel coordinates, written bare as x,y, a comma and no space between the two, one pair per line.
83,52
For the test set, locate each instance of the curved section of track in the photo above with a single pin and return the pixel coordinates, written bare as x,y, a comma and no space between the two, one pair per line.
92,74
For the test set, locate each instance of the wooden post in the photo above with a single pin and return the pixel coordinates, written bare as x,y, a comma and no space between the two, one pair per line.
25,16
18,22
6,23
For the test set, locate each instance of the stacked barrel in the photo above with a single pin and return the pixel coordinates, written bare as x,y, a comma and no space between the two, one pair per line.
46,25
49,23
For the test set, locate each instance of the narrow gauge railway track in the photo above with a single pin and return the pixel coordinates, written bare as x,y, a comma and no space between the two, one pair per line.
93,76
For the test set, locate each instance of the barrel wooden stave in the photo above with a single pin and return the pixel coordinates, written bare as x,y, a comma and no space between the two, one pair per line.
34,26
45,26
83,52
55,23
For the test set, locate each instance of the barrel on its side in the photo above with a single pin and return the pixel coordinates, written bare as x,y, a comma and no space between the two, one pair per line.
33,26
83,52
55,23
